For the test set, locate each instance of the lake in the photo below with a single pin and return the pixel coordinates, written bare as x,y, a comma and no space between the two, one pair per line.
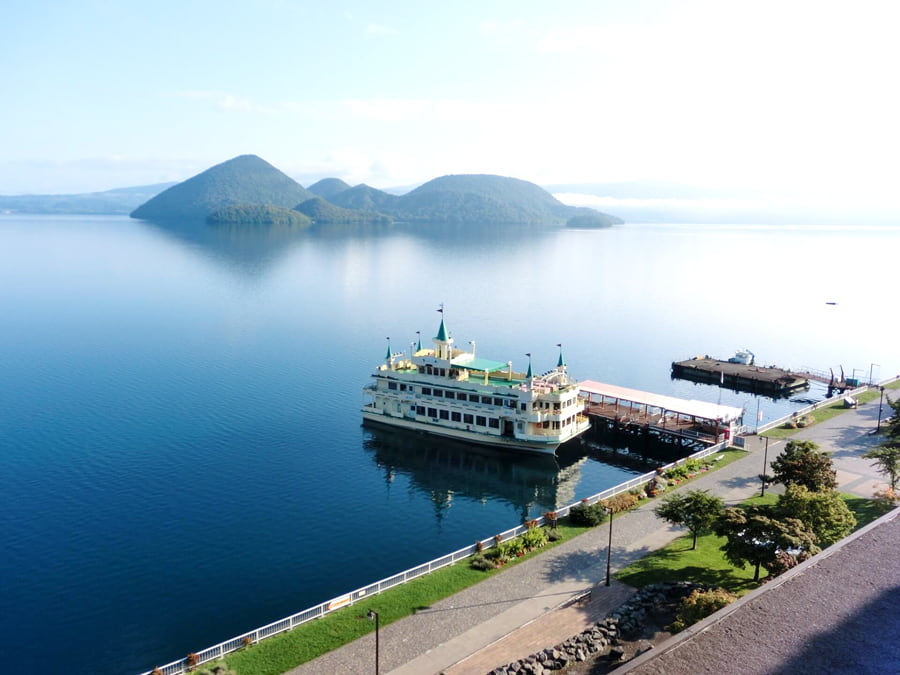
181,456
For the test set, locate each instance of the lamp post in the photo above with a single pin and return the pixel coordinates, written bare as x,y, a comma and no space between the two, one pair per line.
765,466
880,401
609,548
373,616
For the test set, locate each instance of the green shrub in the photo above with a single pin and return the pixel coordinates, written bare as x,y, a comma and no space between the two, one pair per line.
699,605
481,562
553,534
621,502
587,515
534,537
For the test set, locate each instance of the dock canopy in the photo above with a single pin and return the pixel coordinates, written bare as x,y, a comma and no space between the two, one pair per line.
689,407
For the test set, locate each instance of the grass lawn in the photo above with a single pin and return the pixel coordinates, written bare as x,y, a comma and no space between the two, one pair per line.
829,411
280,653
706,564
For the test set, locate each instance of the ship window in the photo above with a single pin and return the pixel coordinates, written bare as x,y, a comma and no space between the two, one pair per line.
420,410
428,369
473,398
438,392
481,420
449,394
426,391
392,385
498,401
487,400
468,419
432,412
524,407
440,371
494,423
445,414
455,416
402,387
545,425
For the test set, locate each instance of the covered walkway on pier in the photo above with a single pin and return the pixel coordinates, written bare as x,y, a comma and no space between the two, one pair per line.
624,407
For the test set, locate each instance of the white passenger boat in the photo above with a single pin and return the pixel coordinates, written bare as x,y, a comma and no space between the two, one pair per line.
450,392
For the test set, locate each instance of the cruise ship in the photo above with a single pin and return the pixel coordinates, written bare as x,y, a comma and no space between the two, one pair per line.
454,393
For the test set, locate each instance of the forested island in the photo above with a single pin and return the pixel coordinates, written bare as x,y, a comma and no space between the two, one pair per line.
226,192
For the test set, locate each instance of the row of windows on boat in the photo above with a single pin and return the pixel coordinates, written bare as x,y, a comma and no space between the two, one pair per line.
477,398
481,420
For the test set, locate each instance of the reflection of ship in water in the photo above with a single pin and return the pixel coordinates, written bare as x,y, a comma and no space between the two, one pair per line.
445,468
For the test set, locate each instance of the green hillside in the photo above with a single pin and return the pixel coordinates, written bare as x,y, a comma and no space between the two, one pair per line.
590,219
246,179
364,198
322,212
483,199
257,214
328,187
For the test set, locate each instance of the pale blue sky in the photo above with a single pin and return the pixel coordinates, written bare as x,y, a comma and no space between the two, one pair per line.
792,94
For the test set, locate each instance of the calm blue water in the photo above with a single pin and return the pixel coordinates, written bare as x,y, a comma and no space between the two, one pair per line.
181,457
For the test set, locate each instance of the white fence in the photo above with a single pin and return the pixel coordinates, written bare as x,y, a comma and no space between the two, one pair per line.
822,404
218,651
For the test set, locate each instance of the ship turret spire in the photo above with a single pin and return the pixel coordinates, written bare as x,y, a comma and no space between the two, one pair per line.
530,374
387,356
561,364
442,341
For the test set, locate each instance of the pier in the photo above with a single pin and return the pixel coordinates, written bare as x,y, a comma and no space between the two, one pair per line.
740,376
663,416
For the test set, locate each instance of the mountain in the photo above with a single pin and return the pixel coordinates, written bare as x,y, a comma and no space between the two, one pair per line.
120,201
322,212
328,187
246,179
364,198
484,199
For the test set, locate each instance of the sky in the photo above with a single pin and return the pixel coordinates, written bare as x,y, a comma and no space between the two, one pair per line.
788,95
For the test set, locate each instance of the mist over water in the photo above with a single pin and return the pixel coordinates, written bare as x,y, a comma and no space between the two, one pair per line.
181,454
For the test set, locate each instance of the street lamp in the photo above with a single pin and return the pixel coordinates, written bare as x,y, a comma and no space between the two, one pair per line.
373,616
880,401
765,466
609,548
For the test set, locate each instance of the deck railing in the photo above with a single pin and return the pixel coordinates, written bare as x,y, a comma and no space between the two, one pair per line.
252,637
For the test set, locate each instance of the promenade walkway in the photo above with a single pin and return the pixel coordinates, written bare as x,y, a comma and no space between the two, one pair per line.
528,607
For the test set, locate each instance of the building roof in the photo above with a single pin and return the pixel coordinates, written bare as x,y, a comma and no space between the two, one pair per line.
701,409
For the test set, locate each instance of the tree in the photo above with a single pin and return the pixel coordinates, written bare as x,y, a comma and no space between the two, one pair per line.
891,426
886,458
754,536
825,513
801,463
696,510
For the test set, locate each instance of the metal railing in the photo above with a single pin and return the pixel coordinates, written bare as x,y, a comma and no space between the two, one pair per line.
252,637
835,400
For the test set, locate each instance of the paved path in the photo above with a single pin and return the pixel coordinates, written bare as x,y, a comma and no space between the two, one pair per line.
529,606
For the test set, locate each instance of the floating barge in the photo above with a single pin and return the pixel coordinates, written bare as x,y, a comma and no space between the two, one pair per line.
741,376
